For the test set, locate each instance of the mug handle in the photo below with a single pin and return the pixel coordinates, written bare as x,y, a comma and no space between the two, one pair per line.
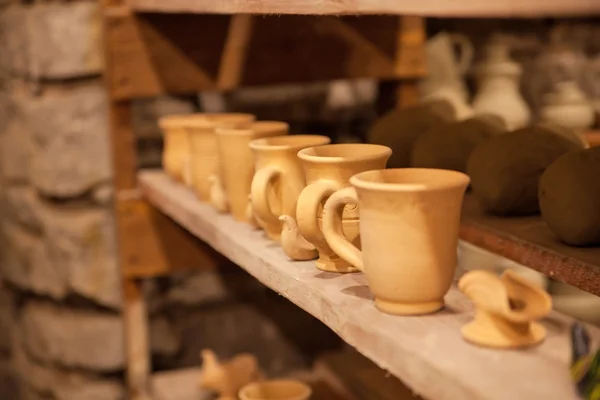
465,58
333,230
259,193
307,209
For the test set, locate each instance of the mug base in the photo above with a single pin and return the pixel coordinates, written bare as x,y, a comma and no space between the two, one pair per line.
339,266
276,237
397,308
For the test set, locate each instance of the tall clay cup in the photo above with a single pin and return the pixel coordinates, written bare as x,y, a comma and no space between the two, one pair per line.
236,161
279,178
203,142
409,220
328,169
176,153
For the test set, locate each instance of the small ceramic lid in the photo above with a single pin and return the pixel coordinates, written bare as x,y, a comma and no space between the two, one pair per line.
566,93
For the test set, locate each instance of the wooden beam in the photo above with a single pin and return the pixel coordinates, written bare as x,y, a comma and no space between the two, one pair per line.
235,51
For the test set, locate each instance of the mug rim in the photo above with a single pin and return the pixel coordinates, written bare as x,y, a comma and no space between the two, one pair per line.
304,390
295,142
252,129
443,179
384,151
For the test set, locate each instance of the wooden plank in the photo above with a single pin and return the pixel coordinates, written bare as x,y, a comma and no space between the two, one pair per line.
135,317
151,244
179,384
151,54
429,8
529,241
427,353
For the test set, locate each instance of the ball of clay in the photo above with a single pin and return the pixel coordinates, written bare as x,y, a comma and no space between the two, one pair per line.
449,146
399,128
505,170
569,195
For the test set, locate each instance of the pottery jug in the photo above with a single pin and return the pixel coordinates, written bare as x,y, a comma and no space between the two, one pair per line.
228,377
409,220
568,106
279,178
236,162
506,309
446,70
328,169
283,389
204,160
498,79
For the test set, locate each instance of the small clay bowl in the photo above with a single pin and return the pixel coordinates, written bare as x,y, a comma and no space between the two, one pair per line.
283,389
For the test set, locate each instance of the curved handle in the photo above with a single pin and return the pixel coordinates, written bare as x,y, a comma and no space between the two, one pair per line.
259,194
307,209
332,226
465,58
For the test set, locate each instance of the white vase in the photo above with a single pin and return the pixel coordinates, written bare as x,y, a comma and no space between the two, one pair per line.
498,92
568,106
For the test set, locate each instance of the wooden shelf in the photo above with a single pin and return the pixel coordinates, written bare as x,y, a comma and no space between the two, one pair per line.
529,241
434,8
427,353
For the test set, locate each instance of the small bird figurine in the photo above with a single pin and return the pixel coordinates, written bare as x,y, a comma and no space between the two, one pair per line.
293,243
585,364
218,198
227,378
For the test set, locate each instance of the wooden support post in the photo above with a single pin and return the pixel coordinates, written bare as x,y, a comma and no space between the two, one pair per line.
235,51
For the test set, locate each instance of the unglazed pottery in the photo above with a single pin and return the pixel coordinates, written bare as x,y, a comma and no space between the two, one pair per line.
203,141
227,378
176,153
506,308
568,106
446,70
279,178
284,389
498,79
236,166
328,169
294,245
409,220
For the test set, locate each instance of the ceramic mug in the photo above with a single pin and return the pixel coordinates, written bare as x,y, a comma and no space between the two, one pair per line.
409,221
328,169
279,178
236,163
276,390
204,160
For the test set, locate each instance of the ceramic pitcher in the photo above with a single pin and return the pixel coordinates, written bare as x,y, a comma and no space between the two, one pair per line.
568,106
279,178
409,220
498,79
282,389
204,160
236,162
446,69
328,169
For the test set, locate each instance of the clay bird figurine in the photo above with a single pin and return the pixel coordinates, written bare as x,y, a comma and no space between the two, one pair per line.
227,378
218,198
293,243
506,308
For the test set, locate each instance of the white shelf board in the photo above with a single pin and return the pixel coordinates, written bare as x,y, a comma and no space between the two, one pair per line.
429,8
427,352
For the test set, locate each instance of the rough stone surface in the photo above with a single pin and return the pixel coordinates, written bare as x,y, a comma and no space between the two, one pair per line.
7,319
70,131
164,340
64,40
15,151
13,39
85,339
82,243
25,263
63,384
23,206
